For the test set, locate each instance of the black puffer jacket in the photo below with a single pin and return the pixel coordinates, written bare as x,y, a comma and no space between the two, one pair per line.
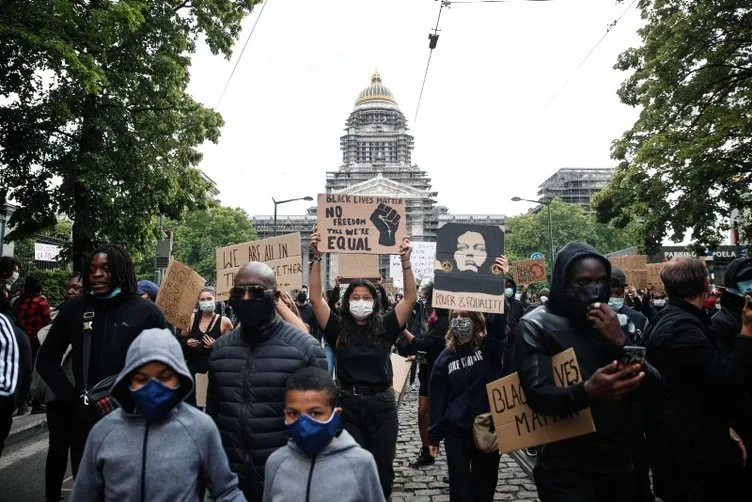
246,395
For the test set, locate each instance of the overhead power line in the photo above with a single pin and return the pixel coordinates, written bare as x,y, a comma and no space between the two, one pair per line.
242,51
582,63
433,40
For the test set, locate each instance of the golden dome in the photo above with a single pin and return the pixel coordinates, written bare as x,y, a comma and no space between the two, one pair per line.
375,93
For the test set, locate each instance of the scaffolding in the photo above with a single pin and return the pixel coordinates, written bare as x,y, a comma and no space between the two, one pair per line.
575,186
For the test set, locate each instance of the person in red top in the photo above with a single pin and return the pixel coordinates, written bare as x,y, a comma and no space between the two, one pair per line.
33,312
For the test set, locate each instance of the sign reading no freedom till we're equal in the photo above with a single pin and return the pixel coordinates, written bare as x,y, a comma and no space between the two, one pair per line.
361,224
282,254
518,426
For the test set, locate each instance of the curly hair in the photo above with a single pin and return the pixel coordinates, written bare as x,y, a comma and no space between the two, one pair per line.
479,333
374,325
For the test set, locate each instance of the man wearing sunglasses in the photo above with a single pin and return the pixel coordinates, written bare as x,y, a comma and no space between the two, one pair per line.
248,372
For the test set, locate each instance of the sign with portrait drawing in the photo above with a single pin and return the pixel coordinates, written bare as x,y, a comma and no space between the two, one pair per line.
466,276
361,224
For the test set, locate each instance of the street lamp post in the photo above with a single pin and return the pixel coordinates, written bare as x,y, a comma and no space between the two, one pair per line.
278,202
550,225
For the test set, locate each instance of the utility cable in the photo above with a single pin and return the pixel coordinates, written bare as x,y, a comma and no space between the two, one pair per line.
430,53
227,84
582,63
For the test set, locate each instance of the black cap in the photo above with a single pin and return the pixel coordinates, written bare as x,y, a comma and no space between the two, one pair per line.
618,278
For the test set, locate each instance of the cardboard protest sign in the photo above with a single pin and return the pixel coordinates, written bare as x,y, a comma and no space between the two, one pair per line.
400,371
518,426
202,386
178,294
654,276
529,272
422,259
283,254
466,276
358,266
634,267
364,224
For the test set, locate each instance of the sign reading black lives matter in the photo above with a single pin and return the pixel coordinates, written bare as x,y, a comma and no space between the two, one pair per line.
466,276
362,224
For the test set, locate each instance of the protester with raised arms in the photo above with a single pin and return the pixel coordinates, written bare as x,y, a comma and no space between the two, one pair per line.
362,339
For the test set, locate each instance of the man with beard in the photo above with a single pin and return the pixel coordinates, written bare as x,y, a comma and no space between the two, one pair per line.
597,466
248,372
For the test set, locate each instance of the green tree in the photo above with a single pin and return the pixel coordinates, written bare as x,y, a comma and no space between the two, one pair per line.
687,161
528,233
196,238
95,121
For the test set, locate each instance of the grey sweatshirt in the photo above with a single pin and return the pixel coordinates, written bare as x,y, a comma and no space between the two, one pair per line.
343,471
129,459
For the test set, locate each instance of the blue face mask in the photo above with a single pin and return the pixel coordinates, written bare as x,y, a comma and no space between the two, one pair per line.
154,400
110,295
744,287
616,303
312,436
509,292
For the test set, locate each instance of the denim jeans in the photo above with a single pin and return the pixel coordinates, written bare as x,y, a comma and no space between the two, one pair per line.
372,421
331,362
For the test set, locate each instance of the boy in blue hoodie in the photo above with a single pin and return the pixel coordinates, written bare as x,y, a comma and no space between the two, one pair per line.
321,461
154,447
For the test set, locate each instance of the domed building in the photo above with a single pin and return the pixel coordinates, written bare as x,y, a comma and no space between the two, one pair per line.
377,160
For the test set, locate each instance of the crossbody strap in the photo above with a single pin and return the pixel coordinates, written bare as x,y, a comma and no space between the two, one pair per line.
87,320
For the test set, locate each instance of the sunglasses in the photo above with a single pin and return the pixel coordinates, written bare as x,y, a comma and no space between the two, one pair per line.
254,292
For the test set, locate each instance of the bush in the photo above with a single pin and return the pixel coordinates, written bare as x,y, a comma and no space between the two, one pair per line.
54,284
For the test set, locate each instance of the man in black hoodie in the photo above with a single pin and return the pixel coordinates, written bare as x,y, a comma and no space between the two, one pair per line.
114,315
597,466
695,458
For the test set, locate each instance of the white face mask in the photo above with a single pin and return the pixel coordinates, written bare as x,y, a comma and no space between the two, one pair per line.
361,309
659,302
543,299
206,306
13,278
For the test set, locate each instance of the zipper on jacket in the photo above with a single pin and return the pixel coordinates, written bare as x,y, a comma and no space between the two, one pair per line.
310,477
143,464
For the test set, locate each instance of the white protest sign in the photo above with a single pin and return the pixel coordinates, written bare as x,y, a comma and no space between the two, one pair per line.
46,252
422,260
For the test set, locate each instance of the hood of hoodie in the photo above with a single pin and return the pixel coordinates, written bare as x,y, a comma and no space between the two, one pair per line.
735,269
574,251
151,345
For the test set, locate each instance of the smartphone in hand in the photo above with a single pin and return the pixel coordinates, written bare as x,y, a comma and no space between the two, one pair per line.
633,354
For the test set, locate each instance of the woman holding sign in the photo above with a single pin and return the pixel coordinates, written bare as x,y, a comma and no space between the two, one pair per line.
362,337
457,398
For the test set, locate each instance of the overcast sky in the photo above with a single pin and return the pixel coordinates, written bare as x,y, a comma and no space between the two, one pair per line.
483,133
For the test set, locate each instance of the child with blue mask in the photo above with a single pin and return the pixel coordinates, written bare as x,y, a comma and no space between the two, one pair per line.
132,452
321,461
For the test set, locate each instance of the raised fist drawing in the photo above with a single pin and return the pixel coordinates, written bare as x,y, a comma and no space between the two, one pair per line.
387,221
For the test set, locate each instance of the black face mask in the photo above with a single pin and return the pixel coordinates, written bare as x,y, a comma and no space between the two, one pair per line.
254,313
580,298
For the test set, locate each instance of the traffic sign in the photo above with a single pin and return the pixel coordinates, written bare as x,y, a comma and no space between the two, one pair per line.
536,256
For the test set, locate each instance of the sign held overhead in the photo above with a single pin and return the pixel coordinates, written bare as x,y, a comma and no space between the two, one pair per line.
361,224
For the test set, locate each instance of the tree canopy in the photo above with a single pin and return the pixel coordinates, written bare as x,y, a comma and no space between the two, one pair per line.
528,233
95,121
200,233
686,164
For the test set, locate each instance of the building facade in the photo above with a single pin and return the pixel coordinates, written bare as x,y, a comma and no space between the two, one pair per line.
575,186
377,160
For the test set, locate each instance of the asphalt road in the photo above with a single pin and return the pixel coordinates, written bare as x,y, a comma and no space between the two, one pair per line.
22,471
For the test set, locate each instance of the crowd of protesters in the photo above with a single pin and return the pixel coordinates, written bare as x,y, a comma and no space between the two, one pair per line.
300,402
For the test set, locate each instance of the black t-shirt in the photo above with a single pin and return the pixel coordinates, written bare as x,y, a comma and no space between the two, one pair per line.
307,316
360,362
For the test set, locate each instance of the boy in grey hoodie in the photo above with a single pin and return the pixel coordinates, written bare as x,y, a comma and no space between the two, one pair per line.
321,461
154,447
